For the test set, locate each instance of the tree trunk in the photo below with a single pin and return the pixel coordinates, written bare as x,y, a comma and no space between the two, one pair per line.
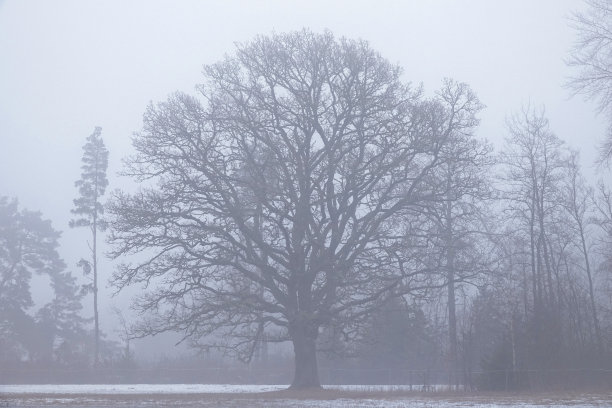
95,293
452,331
304,346
532,253
95,269
452,314
600,346
450,276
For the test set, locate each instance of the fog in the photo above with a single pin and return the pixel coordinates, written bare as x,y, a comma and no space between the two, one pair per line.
68,66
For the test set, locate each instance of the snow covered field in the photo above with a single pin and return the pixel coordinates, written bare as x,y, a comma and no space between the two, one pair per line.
226,395
122,389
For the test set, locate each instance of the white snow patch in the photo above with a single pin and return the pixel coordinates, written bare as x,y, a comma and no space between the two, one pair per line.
136,388
388,388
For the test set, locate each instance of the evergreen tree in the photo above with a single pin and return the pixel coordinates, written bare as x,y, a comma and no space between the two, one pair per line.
88,211
28,246
399,336
61,317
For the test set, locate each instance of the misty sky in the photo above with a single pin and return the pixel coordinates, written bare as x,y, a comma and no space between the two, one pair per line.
68,66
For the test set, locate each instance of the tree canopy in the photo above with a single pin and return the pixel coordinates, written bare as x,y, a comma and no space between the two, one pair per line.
272,200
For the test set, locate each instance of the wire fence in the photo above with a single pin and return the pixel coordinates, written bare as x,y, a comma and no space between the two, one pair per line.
393,378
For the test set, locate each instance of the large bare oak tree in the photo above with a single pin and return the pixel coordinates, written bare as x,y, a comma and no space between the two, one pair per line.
271,202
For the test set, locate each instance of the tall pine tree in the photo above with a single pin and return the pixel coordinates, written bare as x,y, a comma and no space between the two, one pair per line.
88,211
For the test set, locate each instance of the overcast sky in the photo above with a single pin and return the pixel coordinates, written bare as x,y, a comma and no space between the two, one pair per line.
68,66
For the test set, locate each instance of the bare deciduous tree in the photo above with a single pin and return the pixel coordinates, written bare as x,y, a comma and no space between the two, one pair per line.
592,57
274,198
579,205
548,253
456,221
603,220
534,166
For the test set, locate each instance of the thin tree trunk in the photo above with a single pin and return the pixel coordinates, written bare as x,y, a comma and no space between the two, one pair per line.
95,270
95,293
525,293
452,328
452,314
534,274
546,256
591,291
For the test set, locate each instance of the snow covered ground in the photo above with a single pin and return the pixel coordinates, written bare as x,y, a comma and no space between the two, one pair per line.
190,388
121,389
233,396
